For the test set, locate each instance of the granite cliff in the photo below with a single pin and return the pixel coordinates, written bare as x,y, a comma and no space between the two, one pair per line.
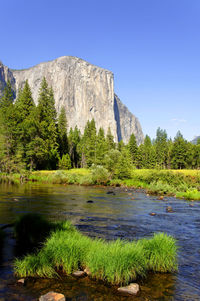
86,91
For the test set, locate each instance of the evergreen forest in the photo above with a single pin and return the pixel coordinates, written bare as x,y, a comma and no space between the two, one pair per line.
36,138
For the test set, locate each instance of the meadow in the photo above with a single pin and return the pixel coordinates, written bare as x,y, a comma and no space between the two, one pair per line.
178,183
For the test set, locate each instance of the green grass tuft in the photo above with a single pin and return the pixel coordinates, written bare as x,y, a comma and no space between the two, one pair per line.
116,262
190,194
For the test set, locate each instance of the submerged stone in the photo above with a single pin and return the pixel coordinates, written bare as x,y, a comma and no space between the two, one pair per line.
21,281
52,296
169,209
131,289
79,273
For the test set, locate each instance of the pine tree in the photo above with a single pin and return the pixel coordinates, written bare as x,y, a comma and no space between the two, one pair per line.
47,132
179,152
161,148
124,165
89,144
24,103
65,162
74,146
8,96
62,133
147,154
8,129
110,140
133,149
101,148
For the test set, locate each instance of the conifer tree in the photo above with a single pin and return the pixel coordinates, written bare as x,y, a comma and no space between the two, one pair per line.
101,148
110,140
24,103
179,152
62,133
146,154
89,144
133,149
8,128
47,128
161,148
74,146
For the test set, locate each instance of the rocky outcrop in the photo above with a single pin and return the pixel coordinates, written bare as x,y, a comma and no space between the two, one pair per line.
5,76
86,91
127,123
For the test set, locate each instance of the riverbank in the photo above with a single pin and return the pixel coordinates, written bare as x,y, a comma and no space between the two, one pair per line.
67,250
178,183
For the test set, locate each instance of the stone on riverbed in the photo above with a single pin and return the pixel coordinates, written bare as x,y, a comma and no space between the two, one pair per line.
87,271
169,209
21,281
131,289
79,273
52,296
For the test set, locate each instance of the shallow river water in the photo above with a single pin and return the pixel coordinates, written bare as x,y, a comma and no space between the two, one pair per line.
124,214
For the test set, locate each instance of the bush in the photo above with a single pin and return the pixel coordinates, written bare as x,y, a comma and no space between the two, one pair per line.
100,175
59,177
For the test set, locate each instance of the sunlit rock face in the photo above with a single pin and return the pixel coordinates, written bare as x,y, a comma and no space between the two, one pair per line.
86,91
5,76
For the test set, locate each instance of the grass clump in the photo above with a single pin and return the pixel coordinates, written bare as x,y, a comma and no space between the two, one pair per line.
160,252
161,188
190,194
118,262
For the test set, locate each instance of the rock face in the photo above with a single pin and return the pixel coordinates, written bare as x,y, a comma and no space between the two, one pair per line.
5,76
86,91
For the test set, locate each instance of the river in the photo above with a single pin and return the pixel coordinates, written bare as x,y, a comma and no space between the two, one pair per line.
125,215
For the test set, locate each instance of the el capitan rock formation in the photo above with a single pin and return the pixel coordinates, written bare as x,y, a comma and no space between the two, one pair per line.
86,91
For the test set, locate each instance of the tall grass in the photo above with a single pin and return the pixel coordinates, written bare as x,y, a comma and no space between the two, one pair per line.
192,194
116,262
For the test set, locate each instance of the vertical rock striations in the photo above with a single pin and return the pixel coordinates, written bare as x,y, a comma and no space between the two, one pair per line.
86,91
5,76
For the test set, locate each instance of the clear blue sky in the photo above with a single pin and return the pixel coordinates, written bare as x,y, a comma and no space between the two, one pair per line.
151,46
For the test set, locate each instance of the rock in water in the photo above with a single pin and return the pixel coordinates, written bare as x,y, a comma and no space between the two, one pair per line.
86,91
79,273
52,296
131,289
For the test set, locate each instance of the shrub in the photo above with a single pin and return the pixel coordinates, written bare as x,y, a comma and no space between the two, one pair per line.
59,177
100,174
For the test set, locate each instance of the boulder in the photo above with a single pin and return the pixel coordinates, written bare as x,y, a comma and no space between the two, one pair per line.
52,296
131,289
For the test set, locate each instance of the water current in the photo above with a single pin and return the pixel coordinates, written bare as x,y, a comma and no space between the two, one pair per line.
122,214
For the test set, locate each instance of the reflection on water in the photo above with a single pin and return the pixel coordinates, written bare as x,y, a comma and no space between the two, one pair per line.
108,216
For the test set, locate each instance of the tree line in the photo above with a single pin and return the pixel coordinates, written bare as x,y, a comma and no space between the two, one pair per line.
35,138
